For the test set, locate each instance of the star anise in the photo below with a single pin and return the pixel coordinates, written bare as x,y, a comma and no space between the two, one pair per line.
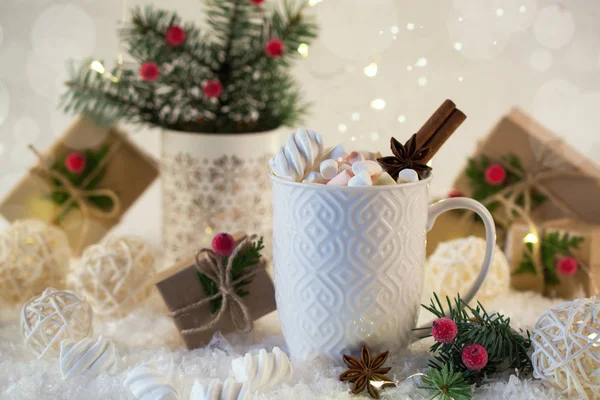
405,156
367,372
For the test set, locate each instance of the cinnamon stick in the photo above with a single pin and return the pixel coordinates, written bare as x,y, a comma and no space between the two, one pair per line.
439,137
434,123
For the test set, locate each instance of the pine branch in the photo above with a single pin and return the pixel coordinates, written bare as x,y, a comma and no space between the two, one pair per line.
446,384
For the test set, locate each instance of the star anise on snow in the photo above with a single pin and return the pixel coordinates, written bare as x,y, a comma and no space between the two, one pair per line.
405,156
367,372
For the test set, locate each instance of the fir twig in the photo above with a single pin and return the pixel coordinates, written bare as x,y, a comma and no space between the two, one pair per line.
446,384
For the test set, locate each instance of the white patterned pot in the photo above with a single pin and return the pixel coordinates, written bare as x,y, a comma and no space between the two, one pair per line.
349,263
214,183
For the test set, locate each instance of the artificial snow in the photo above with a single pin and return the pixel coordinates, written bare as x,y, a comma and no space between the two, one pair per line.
148,336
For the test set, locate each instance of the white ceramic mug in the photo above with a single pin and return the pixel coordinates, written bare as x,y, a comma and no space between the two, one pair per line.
349,262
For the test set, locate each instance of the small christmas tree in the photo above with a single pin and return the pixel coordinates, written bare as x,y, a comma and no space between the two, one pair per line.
233,77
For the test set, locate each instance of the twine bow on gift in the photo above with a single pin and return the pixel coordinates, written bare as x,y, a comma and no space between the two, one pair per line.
79,195
231,303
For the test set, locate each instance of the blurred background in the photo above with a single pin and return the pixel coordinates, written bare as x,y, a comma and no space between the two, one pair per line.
379,68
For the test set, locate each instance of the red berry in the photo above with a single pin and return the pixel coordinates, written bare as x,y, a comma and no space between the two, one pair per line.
223,244
454,193
75,162
149,71
213,89
257,2
495,174
475,357
274,48
175,35
567,266
444,330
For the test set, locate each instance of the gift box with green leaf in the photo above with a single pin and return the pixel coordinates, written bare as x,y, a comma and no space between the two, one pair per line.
223,289
559,258
522,171
84,183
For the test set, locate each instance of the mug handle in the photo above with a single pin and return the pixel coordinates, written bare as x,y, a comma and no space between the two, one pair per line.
442,206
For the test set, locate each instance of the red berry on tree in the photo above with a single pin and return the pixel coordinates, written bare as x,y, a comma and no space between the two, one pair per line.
454,193
75,162
475,357
213,88
175,35
149,71
495,174
274,48
223,244
444,330
257,2
567,266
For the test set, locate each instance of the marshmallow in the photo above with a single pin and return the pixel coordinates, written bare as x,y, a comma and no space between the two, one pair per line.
371,167
329,168
384,179
371,156
362,179
314,177
355,156
345,167
335,153
408,175
340,179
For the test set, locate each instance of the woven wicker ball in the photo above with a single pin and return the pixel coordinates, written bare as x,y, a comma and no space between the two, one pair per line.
33,256
116,274
454,265
54,315
566,348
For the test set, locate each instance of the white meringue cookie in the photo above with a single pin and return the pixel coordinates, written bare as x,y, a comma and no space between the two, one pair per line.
299,155
217,390
87,357
264,370
148,383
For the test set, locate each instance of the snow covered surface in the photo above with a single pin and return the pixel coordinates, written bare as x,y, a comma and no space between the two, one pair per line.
148,336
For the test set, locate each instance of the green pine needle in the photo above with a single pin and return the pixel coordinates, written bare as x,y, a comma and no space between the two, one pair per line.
446,384
248,257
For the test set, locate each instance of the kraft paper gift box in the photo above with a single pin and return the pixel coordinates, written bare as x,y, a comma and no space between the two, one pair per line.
584,283
565,183
180,287
125,173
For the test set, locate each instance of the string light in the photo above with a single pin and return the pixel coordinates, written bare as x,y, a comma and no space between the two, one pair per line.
458,46
377,104
422,81
313,3
401,119
421,62
410,26
342,128
370,70
355,116
303,49
353,138
460,78
499,12
530,238
374,136
395,30
522,9
409,68
99,68
208,230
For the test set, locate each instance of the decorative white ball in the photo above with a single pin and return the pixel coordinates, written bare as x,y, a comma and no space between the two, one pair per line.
566,348
116,274
454,265
88,357
262,371
148,383
33,256
55,315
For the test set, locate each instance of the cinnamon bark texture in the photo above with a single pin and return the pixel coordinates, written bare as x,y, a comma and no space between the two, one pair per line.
438,128
181,288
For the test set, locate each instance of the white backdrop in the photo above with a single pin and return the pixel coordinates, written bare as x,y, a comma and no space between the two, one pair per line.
380,68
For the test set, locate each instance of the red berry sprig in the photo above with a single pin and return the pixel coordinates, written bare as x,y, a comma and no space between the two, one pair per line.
444,330
175,35
257,2
274,48
475,357
149,71
495,174
567,266
223,244
213,89
75,162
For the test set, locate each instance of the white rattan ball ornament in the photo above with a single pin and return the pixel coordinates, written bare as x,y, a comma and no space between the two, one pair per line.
566,348
55,315
115,274
33,256
454,266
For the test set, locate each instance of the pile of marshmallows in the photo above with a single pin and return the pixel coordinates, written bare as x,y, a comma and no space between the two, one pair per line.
303,159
